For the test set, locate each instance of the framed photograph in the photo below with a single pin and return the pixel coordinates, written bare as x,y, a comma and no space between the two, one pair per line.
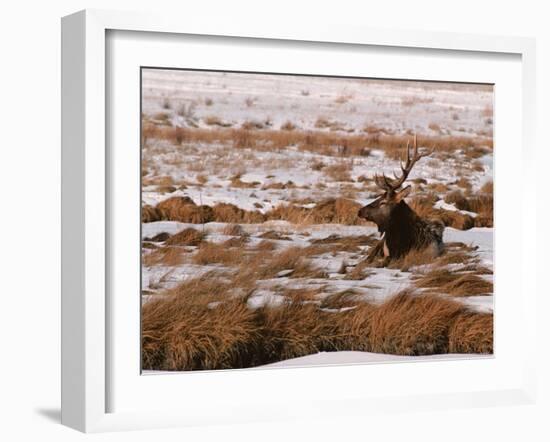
293,223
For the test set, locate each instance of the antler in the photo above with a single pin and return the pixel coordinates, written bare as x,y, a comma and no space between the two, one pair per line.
392,184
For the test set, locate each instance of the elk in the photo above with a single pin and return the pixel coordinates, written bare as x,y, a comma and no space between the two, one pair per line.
402,229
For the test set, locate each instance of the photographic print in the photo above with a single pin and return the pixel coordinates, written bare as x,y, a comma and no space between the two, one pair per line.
299,220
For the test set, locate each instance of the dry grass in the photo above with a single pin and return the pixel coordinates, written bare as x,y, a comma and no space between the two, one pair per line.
202,179
229,213
328,143
435,278
339,300
233,230
459,283
293,259
339,172
435,127
339,243
334,210
165,189
467,285
457,198
168,256
482,204
266,246
159,237
202,325
477,152
150,214
212,120
183,209
464,183
424,208
274,235
238,183
295,329
181,331
187,237
289,125
279,186
414,258
487,188
211,253
361,271
411,324
471,333
338,210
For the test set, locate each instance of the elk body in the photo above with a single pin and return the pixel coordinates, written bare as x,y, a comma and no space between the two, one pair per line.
403,230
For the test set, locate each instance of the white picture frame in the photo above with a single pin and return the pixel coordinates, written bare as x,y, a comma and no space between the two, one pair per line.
86,356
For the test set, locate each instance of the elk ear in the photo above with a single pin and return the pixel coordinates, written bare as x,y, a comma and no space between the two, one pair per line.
402,194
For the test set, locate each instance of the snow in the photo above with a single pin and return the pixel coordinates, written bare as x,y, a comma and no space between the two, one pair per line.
360,357
395,106
349,358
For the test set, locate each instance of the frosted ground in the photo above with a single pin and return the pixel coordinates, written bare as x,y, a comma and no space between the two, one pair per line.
261,179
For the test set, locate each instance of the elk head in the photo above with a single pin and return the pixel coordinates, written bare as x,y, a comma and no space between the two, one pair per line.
381,209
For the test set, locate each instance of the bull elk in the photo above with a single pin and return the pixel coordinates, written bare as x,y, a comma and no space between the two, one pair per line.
402,229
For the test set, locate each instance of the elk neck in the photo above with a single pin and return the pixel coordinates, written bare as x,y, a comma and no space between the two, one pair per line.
400,230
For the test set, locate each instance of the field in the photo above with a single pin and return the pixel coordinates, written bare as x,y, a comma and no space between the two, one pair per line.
253,253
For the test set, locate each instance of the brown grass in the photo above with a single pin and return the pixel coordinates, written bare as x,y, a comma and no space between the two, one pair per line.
150,214
233,230
168,256
464,183
294,259
182,332
266,246
165,189
346,243
189,213
435,278
279,186
334,210
237,182
444,281
411,324
338,300
482,204
424,208
200,325
360,271
211,253
274,235
159,237
413,258
187,237
487,188
229,213
457,198
294,329
467,285
289,125
339,172
328,143
212,120
471,333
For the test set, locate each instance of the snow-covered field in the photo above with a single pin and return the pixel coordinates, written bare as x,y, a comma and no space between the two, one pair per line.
261,178
395,106
380,283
